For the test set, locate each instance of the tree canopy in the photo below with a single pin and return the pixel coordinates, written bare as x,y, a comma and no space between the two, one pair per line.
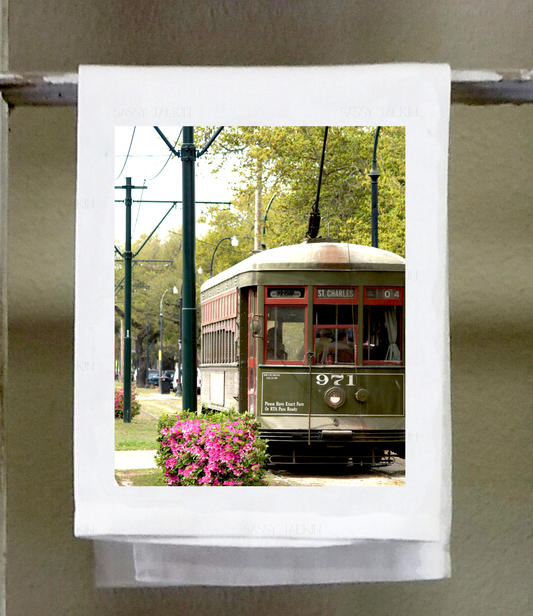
283,164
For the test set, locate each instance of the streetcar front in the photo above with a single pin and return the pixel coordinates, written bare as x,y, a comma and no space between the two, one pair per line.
330,388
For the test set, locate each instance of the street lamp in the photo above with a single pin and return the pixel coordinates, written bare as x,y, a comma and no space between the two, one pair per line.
234,242
174,290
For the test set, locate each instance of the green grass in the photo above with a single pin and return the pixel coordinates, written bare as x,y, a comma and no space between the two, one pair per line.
141,433
139,477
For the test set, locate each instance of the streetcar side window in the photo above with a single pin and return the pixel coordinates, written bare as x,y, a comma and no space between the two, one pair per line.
285,333
382,334
219,327
383,325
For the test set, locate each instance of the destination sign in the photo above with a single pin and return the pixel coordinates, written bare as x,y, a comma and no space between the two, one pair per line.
335,293
285,293
390,293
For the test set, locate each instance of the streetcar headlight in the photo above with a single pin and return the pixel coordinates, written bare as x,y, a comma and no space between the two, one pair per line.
334,397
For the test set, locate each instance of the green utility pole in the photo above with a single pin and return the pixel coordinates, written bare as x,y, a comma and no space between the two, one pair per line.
147,353
127,301
127,308
179,386
188,157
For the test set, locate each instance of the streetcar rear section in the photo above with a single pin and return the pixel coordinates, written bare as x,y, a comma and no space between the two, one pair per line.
310,339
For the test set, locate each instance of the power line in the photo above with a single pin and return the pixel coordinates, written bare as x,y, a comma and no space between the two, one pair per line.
127,155
169,157
175,201
139,209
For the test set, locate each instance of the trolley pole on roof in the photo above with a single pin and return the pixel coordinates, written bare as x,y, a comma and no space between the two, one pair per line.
374,175
188,157
263,245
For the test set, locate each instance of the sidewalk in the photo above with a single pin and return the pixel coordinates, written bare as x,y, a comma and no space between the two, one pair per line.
143,459
127,460
158,396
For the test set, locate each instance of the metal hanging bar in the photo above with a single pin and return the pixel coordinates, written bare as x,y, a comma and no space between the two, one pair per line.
469,87
53,89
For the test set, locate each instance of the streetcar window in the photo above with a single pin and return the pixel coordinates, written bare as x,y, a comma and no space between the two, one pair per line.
285,339
335,344
219,345
382,334
333,314
335,337
219,327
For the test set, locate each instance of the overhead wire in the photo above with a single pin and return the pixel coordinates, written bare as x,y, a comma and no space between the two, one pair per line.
138,209
155,176
127,155
169,157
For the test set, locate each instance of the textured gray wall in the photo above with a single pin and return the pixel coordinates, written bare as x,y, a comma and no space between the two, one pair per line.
490,235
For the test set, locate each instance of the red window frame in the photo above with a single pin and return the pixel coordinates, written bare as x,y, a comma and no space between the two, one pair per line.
335,300
221,307
286,301
399,338
282,303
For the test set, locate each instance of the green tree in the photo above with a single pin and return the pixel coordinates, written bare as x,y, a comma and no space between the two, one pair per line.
289,160
158,267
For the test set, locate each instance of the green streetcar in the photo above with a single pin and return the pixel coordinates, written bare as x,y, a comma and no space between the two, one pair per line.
310,339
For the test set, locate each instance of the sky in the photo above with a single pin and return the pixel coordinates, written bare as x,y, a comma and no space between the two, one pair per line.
147,156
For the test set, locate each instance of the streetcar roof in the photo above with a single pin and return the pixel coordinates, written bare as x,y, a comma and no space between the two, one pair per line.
314,256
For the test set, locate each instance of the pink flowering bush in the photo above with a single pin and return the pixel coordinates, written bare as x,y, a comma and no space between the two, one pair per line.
212,450
119,402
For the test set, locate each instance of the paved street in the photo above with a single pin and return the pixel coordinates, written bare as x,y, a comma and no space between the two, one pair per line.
302,475
126,460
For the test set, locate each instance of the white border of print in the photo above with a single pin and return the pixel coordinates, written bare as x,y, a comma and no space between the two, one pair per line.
415,96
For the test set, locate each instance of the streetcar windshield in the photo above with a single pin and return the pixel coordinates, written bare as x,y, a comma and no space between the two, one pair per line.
335,333
285,340
335,344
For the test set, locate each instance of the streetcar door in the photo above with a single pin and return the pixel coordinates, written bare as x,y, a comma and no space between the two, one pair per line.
252,352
